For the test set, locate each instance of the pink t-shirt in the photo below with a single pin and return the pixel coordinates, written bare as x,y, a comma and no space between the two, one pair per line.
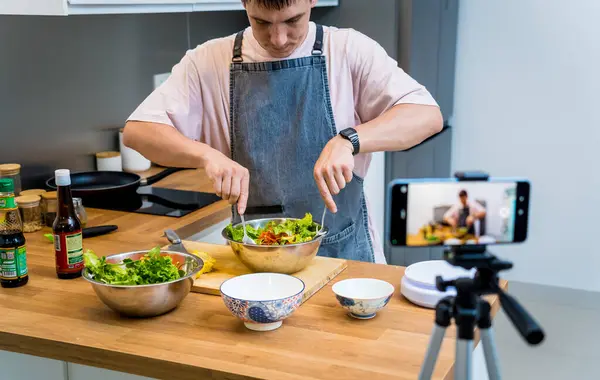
363,80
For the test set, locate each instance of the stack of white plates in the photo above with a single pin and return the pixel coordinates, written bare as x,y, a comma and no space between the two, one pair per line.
418,283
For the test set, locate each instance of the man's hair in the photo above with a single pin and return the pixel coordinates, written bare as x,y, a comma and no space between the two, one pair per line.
272,4
463,193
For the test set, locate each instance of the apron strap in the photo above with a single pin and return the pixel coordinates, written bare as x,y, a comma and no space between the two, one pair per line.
237,48
318,46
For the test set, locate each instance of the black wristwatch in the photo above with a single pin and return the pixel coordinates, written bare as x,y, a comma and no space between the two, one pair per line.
351,135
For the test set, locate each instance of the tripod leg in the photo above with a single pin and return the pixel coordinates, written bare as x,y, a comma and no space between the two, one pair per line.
432,352
443,316
464,359
487,338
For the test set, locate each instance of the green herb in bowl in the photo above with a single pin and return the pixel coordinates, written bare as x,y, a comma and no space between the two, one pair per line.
289,231
152,268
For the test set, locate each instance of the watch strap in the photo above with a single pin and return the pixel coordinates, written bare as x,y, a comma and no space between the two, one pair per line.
351,135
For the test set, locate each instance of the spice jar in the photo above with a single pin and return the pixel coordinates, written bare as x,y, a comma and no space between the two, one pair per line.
37,192
80,211
31,213
12,171
49,204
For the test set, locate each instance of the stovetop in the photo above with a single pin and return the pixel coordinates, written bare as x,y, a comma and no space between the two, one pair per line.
156,201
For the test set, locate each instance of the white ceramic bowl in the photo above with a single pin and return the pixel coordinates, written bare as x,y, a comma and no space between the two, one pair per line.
262,300
363,297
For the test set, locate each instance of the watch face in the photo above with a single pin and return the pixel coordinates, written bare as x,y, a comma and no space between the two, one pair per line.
347,132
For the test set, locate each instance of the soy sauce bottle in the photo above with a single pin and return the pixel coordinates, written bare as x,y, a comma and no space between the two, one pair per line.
13,260
68,240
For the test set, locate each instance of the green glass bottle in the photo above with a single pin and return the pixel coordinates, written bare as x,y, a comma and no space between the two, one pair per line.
13,254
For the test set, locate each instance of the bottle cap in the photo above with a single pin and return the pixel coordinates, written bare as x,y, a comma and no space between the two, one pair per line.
7,185
63,177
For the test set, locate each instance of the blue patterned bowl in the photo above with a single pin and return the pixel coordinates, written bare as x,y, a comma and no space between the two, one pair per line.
262,300
363,297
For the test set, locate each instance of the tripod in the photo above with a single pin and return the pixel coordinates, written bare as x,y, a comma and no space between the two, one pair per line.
468,309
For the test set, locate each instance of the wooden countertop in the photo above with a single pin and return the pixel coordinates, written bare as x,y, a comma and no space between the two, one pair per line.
64,320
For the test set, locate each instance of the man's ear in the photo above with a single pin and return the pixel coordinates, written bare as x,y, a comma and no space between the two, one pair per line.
313,3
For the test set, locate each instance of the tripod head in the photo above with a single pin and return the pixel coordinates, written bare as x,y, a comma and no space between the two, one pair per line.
485,282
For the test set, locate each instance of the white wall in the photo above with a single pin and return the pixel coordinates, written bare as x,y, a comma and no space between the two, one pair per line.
424,197
526,104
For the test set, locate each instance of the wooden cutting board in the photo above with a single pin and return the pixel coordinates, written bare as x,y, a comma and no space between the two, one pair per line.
315,276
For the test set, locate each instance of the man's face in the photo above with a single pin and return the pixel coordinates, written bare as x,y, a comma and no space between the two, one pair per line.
463,199
281,31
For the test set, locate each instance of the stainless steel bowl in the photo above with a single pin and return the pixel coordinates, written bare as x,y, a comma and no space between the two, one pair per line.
286,259
147,300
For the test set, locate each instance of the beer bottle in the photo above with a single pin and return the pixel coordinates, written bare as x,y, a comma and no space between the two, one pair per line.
13,260
68,243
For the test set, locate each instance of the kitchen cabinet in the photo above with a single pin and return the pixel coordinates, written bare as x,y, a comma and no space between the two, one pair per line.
21,367
430,159
78,7
83,372
427,33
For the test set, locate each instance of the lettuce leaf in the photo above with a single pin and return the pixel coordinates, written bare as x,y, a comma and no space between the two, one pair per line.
288,232
152,268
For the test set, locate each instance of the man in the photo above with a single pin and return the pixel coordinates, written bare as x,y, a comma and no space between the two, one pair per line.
464,213
287,113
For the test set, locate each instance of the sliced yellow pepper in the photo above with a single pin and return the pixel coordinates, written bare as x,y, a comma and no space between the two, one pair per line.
209,262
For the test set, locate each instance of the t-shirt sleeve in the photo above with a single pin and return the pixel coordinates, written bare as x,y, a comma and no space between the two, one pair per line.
178,101
451,213
378,82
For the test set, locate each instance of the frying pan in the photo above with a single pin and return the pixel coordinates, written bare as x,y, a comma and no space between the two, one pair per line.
106,183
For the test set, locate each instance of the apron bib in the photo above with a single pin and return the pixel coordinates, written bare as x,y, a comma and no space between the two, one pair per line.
280,120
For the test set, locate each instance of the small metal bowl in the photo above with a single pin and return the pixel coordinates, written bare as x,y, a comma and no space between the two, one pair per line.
285,259
147,300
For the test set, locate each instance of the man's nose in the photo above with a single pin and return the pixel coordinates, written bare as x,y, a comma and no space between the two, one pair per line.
278,38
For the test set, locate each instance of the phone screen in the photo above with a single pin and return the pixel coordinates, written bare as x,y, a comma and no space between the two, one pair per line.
450,212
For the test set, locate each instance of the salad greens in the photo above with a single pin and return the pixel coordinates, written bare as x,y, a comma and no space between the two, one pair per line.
275,233
152,268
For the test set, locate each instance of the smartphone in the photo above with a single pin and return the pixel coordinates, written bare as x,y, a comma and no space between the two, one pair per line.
448,212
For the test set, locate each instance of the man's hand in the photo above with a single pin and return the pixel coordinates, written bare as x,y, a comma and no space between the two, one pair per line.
230,179
333,169
470,220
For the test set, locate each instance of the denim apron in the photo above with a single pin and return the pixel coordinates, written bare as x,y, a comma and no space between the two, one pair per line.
280,120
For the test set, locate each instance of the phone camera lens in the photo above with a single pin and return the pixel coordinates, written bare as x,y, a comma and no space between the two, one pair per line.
403,189
521,198
520,212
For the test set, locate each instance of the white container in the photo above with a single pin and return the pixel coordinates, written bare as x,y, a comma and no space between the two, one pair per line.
132,160
418,282
109,161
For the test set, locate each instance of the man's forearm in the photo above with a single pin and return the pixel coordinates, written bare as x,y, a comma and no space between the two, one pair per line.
164,145
400,128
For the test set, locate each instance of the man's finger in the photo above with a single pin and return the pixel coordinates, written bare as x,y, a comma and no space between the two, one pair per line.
243,200
324,190
236,186
331,182
218,185
226,187
347,174
339,178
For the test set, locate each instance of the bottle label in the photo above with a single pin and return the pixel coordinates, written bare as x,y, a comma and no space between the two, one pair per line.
13,263
8,203
68,248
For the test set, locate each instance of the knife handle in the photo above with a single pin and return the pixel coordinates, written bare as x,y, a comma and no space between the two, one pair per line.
89,232
172,236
